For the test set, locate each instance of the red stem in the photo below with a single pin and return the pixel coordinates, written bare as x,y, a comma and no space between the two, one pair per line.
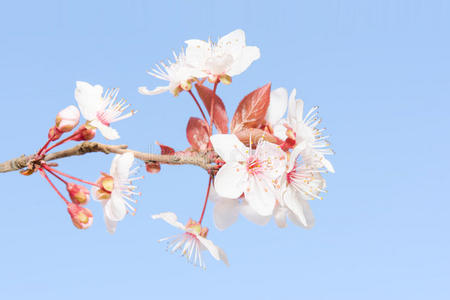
53,186
68,176
198,105
46,144
212,105
62,141
51,172
206,200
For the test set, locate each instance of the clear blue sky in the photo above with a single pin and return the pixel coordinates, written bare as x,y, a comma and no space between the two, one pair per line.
379,70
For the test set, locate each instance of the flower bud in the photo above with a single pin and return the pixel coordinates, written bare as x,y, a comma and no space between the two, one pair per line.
54,133
106,186
153,167
84,133
68,118
81,217
78,193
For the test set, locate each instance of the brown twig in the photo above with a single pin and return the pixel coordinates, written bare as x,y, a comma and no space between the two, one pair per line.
203,160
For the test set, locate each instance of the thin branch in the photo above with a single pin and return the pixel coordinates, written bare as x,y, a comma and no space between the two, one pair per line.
203,160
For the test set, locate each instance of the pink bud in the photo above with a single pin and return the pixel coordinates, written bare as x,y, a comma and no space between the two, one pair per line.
54,133
81,217
153,167
68,118
78,193
84,133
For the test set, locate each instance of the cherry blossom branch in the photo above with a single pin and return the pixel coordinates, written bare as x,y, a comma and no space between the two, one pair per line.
203,160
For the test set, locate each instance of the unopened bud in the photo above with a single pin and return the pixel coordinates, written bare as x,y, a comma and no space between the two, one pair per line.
84,133
78,193
225,79
54,133
153,167
81,217
68,118
106,186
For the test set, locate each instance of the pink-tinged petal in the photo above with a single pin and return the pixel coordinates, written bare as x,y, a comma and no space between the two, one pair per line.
274,157
231,180
215,251
108,132
170,218
229,147
250,214
89,99
279,216
115,208
245,58
260,195
277,106
158,90
226,213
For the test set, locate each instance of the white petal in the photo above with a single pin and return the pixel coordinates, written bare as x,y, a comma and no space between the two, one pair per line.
235,39
327,164
294,155
292,110
279,216
158,90
197,52
309,217
215,251
115,208
297,205
229,147
120,166
107,131
247,56
170,218
279,130
89,99
278,105
260,194
226,213
250,214
110,224
230,181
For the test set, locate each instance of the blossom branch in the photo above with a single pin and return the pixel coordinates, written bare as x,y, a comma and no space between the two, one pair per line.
203,160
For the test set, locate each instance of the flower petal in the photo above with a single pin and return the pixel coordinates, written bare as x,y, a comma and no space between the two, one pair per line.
278,105
279,216
158,90
115,208
107,131
275,158
292,116
299,207
260,194
247,56
197,52
215,251
110,224
89,99
170,218
307,212
250,214
230,181
226,213
121,165
229,147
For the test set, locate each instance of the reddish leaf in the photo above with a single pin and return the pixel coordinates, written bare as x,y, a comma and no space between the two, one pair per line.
220,114
197,133
153,167
252,109
165,150
255,135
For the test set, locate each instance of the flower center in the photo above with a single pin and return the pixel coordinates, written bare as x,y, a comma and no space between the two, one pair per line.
254,165
102,117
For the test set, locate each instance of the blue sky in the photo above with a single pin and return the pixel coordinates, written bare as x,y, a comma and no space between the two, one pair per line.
379,70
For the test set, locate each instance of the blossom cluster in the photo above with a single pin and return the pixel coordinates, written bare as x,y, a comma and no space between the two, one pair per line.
269,159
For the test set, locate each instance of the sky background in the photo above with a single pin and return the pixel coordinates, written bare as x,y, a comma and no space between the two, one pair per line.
379,70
